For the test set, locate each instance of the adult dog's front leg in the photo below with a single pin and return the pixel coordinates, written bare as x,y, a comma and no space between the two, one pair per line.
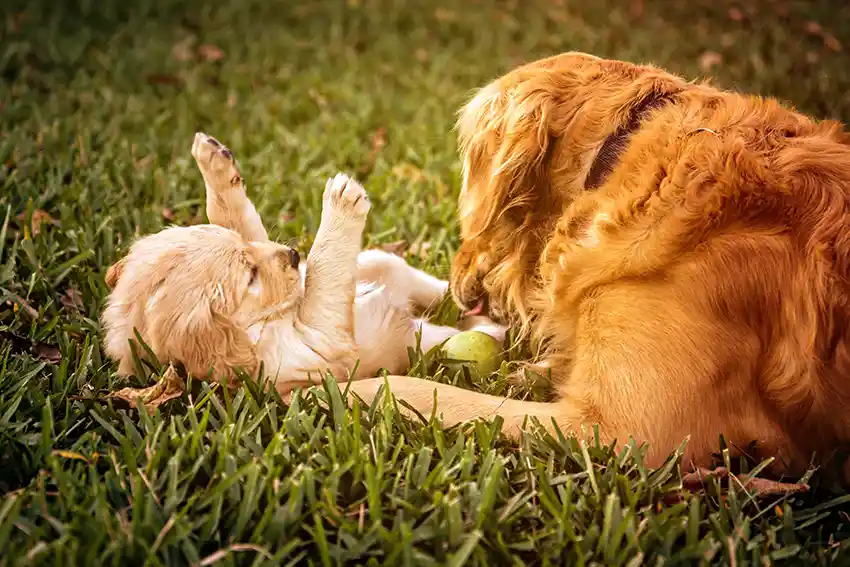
326,315
227,201
457,405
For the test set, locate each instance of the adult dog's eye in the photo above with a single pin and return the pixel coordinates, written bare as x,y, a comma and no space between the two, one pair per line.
254,272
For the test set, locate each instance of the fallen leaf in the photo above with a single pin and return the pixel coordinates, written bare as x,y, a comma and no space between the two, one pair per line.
709,59
17,20
398,247
735,14
182,50
377,141
831,43
168,387
38,217
209,52
765,487
636,9
168,214
444,15
43,351
164,79
812,28
72,299
760,487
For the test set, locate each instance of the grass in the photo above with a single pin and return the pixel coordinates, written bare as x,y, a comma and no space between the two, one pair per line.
98,105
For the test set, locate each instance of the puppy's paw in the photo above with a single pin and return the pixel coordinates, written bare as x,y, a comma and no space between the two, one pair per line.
345,197
215,162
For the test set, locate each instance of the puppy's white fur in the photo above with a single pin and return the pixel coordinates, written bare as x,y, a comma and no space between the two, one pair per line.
221,296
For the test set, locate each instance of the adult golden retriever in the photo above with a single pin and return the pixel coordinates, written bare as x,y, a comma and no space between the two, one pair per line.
681,255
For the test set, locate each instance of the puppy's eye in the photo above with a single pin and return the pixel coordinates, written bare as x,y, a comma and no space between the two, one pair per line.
254,272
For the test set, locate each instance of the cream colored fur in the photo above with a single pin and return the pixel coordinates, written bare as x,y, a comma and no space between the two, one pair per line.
222,297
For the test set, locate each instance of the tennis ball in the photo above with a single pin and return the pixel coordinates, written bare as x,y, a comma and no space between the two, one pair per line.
478,351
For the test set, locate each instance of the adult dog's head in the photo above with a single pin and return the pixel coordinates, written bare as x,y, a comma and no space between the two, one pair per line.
192,293
529,141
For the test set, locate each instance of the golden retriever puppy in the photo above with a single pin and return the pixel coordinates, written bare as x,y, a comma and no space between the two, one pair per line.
679,254
222,297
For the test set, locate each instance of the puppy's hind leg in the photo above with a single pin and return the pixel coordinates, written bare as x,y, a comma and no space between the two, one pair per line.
227,201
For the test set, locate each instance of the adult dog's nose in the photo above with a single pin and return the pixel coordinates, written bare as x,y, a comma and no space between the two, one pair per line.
294,258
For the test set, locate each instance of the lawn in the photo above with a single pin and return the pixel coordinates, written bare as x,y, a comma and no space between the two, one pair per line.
99,102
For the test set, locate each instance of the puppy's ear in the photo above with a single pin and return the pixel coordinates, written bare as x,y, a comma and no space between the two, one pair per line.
204,337
113,274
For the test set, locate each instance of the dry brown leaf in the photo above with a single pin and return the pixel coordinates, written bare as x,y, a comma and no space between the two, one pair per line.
758,486
709,59
735,14
38,217
831,43
17,20
210,52
72,299
812,27
47,353
164,79
168,387
378,139
183,49
398,247
444,15
636,9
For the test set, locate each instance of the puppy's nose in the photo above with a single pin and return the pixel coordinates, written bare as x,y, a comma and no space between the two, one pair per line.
294,258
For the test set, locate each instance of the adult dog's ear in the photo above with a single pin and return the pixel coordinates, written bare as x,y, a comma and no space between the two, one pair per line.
113,274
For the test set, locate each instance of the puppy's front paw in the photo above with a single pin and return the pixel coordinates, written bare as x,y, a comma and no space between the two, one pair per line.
345,197
215,162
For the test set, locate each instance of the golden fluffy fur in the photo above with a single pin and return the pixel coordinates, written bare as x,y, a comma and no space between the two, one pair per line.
701,290
221,297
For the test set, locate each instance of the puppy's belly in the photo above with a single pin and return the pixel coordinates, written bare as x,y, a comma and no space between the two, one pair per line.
383,329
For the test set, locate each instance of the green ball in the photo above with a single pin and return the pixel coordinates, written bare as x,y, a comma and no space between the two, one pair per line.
478,351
